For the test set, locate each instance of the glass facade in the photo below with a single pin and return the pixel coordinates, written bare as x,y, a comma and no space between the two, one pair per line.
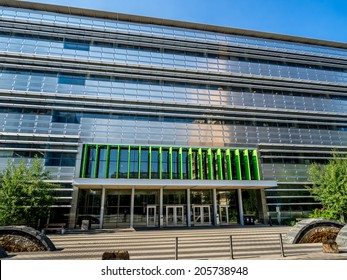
120,98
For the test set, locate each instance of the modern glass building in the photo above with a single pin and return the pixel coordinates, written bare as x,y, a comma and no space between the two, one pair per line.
158,123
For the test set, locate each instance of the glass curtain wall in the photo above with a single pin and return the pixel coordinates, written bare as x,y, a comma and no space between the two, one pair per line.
117,208
138,162
89,203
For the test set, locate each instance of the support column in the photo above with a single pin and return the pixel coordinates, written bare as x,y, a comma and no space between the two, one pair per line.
132,206
102,208
239,195
189,222
215,214
161,212
74,206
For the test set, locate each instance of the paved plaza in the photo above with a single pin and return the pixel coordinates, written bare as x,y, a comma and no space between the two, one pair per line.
249,242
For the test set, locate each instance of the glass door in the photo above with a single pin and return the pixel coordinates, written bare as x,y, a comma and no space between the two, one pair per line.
174,215
151,215
202,215
224,214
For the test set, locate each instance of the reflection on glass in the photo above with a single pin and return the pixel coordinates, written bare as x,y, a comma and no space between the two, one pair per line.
112,170
102,163
91,163
155,164
134,163
123,163
175,164
165,163
144,163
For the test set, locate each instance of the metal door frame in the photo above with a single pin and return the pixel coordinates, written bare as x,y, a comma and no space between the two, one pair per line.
174,207
227,214
202,215
155,215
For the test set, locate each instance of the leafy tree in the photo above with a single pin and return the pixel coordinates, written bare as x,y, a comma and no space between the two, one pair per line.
330,187
25,197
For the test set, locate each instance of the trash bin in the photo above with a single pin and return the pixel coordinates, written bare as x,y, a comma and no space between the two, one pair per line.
85,225
248,219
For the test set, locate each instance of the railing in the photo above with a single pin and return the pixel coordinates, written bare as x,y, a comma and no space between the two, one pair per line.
239,247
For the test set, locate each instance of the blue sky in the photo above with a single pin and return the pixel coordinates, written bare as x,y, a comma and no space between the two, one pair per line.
320,19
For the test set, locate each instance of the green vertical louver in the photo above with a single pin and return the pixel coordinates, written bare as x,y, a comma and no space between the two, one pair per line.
118,158
170,162
129,150
150,163
190,162
246,164
238,165
228,159
219,164
201,171
160,163
85,160
210,164
256,164
180,163
139,164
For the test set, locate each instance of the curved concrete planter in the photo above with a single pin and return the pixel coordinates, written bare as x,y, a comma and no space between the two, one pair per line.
341,238
24,239
313,231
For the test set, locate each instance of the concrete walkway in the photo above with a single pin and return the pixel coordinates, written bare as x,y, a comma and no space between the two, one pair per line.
249,242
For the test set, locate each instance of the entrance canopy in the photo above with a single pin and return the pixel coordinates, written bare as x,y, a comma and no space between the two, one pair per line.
98,183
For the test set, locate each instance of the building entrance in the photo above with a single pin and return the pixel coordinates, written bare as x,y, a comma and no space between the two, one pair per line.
151,215
224,214
175,215
201,215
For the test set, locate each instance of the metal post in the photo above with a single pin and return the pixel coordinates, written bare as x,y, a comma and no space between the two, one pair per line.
102,208
176,251
281,244
215,214
189,222
239,195
132,203
231,248
161,210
